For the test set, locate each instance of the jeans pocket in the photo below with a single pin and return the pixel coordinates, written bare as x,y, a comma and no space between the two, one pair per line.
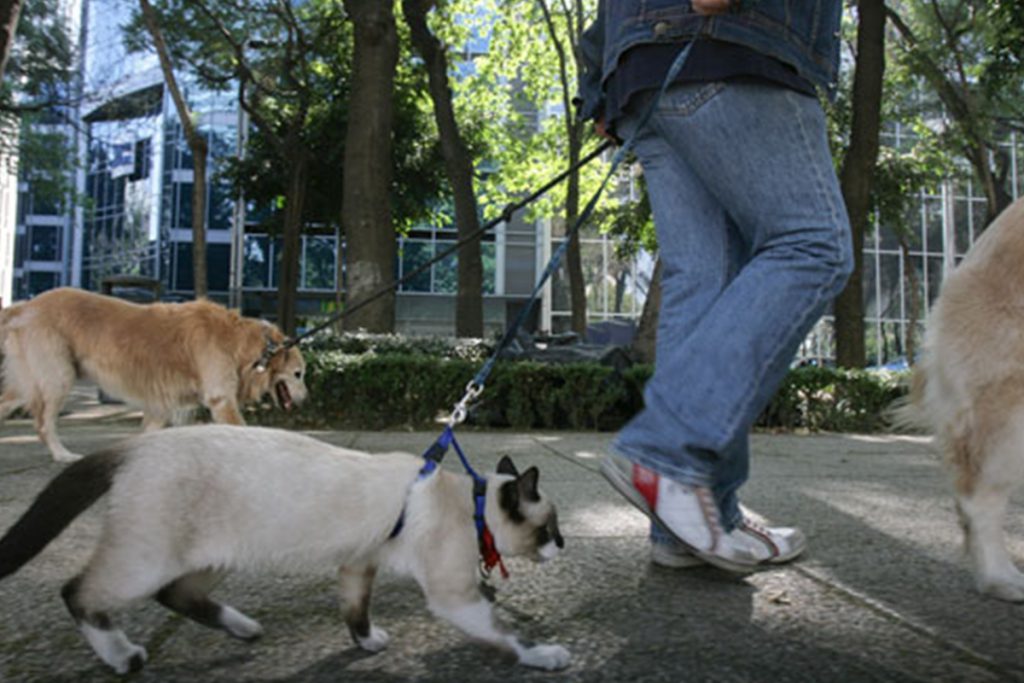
687,98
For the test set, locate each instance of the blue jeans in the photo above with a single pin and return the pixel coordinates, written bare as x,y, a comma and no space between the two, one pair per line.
755,243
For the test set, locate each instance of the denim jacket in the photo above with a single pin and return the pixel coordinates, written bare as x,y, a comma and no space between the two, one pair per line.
801,33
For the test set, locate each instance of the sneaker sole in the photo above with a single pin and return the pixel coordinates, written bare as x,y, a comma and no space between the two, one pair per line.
670,559
629,492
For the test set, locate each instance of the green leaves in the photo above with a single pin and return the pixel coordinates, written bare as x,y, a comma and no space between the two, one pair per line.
380,382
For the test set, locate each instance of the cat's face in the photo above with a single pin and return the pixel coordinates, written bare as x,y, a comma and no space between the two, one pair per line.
524,521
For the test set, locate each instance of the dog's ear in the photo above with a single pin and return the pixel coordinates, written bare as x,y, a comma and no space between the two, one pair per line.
528,485
505,466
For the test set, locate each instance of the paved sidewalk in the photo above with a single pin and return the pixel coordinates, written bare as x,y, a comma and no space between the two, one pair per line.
882,595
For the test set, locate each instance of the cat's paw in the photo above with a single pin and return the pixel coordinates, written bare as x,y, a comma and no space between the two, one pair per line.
131,658
548,657
239,625
376,641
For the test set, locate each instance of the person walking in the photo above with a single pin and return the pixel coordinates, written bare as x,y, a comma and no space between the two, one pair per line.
753,236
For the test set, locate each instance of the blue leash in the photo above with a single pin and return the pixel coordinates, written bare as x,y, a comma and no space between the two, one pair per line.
437,450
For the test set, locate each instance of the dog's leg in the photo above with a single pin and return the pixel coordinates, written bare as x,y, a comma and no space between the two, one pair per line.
109,643
475,617
982,500
219,390
188,596
354,586
46,374
46,411
983,512
224,410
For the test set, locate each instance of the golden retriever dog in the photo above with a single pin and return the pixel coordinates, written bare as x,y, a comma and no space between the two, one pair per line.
166,358
969,389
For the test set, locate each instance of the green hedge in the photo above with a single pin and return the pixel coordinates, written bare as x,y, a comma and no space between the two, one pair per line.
403,388
834,400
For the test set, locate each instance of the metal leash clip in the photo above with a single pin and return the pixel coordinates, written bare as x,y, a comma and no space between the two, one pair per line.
459,413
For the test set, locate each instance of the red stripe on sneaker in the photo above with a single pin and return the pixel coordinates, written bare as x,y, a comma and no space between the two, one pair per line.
646,482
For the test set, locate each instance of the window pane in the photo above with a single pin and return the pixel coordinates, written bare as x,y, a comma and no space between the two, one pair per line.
218,260
183,278
488,252
39,282
45,244
184,217
446,271
933,214
275,275
319,263
594,282
256,268
220,205
414,254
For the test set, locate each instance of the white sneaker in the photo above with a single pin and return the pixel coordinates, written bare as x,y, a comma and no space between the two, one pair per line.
772,544
688,512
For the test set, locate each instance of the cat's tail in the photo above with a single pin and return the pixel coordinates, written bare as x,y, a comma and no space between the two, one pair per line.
68,495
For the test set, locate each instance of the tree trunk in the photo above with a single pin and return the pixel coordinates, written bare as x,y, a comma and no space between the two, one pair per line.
370,245
197,145
857,175
469,309
574,138
645,341
10,10
573,255
295,199
996,196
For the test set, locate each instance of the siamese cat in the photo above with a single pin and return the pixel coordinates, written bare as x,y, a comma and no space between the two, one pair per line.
187,505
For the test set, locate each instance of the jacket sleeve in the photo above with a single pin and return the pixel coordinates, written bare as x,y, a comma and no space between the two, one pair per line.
589,99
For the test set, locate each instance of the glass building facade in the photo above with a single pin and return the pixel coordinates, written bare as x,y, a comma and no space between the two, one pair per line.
943,222
135,182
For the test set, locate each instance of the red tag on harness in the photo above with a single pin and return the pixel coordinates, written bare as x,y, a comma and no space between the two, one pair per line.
489,555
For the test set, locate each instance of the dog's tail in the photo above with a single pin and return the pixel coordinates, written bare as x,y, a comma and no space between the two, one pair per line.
68,495
908,413
5,315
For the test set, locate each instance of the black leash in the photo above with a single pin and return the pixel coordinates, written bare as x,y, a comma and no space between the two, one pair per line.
506,216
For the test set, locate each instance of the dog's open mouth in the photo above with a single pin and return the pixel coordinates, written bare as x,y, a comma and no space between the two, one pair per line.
284,397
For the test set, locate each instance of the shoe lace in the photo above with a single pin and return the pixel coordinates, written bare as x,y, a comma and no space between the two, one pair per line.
710,511
754,525
761,532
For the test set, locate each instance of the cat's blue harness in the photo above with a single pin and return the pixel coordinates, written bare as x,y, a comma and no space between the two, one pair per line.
489,555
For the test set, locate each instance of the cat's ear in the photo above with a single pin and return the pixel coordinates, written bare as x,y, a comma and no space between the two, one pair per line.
505,466
528,485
